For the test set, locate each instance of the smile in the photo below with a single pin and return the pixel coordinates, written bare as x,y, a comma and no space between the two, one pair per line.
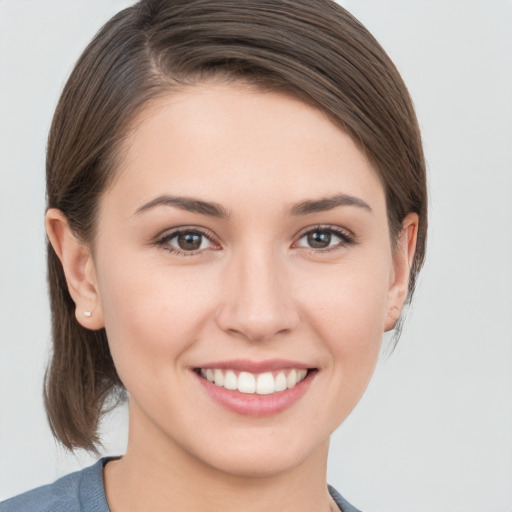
254,383
251,388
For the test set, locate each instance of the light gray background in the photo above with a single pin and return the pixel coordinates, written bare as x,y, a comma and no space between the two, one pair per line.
434,430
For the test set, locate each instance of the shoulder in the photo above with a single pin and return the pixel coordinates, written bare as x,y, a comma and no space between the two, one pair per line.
81,491
342,503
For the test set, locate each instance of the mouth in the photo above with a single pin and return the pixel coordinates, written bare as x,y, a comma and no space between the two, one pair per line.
266,383
255,389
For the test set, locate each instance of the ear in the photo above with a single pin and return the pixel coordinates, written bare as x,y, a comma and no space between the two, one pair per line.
77,262
403,256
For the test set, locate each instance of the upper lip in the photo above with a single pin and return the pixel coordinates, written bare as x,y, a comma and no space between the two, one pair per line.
246,365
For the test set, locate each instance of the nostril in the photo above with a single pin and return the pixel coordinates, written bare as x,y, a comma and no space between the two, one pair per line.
256,327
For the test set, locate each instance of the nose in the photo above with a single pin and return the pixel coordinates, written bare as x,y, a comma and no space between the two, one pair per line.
257,300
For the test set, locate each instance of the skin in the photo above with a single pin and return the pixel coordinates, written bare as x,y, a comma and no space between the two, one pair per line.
255,290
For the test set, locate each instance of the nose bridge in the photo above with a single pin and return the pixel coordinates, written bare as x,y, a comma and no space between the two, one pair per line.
258,302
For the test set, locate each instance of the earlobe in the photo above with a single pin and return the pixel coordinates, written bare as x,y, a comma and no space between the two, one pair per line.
78,265
403,257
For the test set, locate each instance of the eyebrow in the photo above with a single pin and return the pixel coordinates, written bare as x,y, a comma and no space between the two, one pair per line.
212,209
186,203
328,203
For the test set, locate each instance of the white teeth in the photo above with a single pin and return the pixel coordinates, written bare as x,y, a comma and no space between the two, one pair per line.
265,384
230,380
246,382
219,377
291,380
281,382
261,384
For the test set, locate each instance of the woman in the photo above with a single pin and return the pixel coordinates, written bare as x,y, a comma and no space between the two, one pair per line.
236,213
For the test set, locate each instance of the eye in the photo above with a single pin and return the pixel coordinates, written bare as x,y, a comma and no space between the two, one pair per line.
324,238
186,241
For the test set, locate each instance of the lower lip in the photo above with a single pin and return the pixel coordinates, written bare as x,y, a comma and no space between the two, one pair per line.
252,404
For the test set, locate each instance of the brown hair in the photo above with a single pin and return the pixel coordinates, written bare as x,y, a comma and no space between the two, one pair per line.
313,49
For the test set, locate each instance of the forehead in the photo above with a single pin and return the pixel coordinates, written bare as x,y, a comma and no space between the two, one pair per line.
233,142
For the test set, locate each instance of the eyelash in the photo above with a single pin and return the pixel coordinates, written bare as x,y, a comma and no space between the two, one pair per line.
163,241
346,238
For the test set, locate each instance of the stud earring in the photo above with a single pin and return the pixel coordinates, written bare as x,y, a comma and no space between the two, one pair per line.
87,313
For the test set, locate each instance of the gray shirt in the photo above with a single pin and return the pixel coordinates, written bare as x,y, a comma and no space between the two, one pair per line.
83,491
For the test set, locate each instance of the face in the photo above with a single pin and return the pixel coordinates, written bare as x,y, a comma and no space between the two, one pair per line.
244,274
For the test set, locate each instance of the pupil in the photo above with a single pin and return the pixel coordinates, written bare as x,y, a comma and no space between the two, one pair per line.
319,239
189,241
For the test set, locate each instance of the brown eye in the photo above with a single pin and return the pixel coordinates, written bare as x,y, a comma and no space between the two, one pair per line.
189,241
186,242
323,238
319,239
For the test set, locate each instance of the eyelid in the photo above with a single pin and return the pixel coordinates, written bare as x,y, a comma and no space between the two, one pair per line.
165,236
344,232
346,236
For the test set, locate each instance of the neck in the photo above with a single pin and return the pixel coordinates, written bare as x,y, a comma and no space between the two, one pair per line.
161,475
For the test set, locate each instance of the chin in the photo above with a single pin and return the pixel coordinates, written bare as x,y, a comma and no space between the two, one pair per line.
265,458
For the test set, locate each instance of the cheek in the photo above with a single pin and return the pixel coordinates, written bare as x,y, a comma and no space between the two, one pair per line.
347,305
151,315
344,307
